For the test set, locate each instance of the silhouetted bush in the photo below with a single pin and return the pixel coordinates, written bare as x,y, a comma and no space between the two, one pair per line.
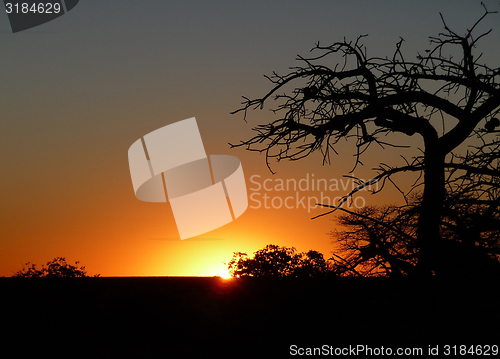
56,268
276,261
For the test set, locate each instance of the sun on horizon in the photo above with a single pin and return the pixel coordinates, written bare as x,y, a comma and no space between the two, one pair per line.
224,274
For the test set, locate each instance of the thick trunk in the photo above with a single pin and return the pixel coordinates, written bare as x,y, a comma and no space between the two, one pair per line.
428,234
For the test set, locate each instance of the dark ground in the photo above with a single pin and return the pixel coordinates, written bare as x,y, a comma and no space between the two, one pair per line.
210,317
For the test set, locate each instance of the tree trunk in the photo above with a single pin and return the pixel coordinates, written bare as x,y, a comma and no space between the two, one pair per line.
428,232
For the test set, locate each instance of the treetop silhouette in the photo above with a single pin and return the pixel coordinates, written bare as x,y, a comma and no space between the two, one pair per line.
276,261
56,268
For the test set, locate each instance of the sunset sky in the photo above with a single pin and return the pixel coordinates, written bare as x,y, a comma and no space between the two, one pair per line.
76,92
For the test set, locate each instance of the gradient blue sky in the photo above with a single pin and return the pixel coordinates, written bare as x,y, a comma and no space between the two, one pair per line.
76,92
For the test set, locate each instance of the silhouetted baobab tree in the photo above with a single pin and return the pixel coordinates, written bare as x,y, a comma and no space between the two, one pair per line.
441,98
